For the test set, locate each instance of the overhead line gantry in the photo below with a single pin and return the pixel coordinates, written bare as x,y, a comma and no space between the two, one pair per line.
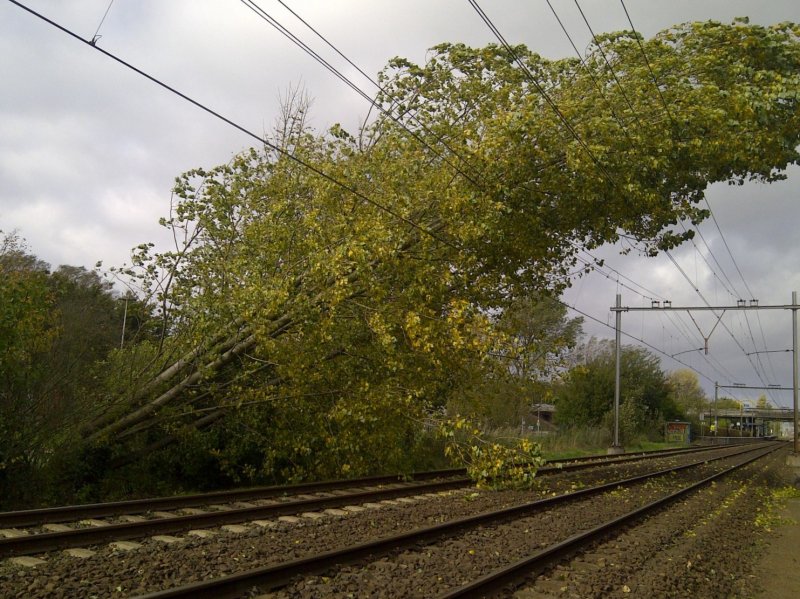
666,306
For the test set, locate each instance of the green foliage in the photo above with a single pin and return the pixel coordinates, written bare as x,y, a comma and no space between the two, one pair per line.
686,392
727,403
586,397
27,330
534,337
306,330
56,328
492,465
27,326
538,336
688,396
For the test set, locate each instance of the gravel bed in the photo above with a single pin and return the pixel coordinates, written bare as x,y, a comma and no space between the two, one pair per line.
432,570
704,547
156,565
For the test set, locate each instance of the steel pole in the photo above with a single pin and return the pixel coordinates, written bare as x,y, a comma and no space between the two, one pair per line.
795,370
716,419
616,374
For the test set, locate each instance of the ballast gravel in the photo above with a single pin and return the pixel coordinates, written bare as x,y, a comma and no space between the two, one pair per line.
429,569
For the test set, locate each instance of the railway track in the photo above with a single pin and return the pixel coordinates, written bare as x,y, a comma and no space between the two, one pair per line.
283,573
46,533
538,561
35,517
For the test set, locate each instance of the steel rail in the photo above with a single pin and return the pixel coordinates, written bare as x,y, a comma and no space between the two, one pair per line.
82,537
281,574
136,506
541,560
37,517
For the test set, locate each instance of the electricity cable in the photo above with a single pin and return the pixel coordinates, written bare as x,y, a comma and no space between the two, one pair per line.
265,16
650,69
96,37
542,92
711,212
494,29
241,128
655,82
724,326
739,271
605,59
642,341
311,167
590,73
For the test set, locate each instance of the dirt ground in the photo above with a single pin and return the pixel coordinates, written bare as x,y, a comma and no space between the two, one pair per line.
779,567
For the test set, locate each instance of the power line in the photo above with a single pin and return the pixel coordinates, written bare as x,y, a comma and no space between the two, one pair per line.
622,90
624,129
746,286
650,69
265,16
294,39
642,341
554,106
724,326
711,212
605,59
590,73
663,101
736,294
542,92
96,37
289,155
241,128
331,46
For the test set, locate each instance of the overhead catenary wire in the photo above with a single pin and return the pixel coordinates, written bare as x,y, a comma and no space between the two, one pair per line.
733,294
741,275
666,108
664,103
485,18
630,336
542,92
269,19
739,295
96,37
590,73
650,69
262,140
561,117
272,21
605,59
724,326
285,153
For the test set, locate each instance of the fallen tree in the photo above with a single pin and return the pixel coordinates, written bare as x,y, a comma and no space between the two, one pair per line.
285,268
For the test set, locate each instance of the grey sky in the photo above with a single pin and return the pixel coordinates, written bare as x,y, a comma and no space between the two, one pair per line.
89,150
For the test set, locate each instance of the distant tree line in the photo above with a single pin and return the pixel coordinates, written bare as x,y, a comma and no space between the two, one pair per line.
57,329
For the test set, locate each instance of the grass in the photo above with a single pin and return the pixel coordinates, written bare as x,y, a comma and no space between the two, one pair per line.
575,443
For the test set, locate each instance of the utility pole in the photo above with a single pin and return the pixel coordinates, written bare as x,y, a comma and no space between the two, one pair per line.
794,458
716,419
616,448
795,377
